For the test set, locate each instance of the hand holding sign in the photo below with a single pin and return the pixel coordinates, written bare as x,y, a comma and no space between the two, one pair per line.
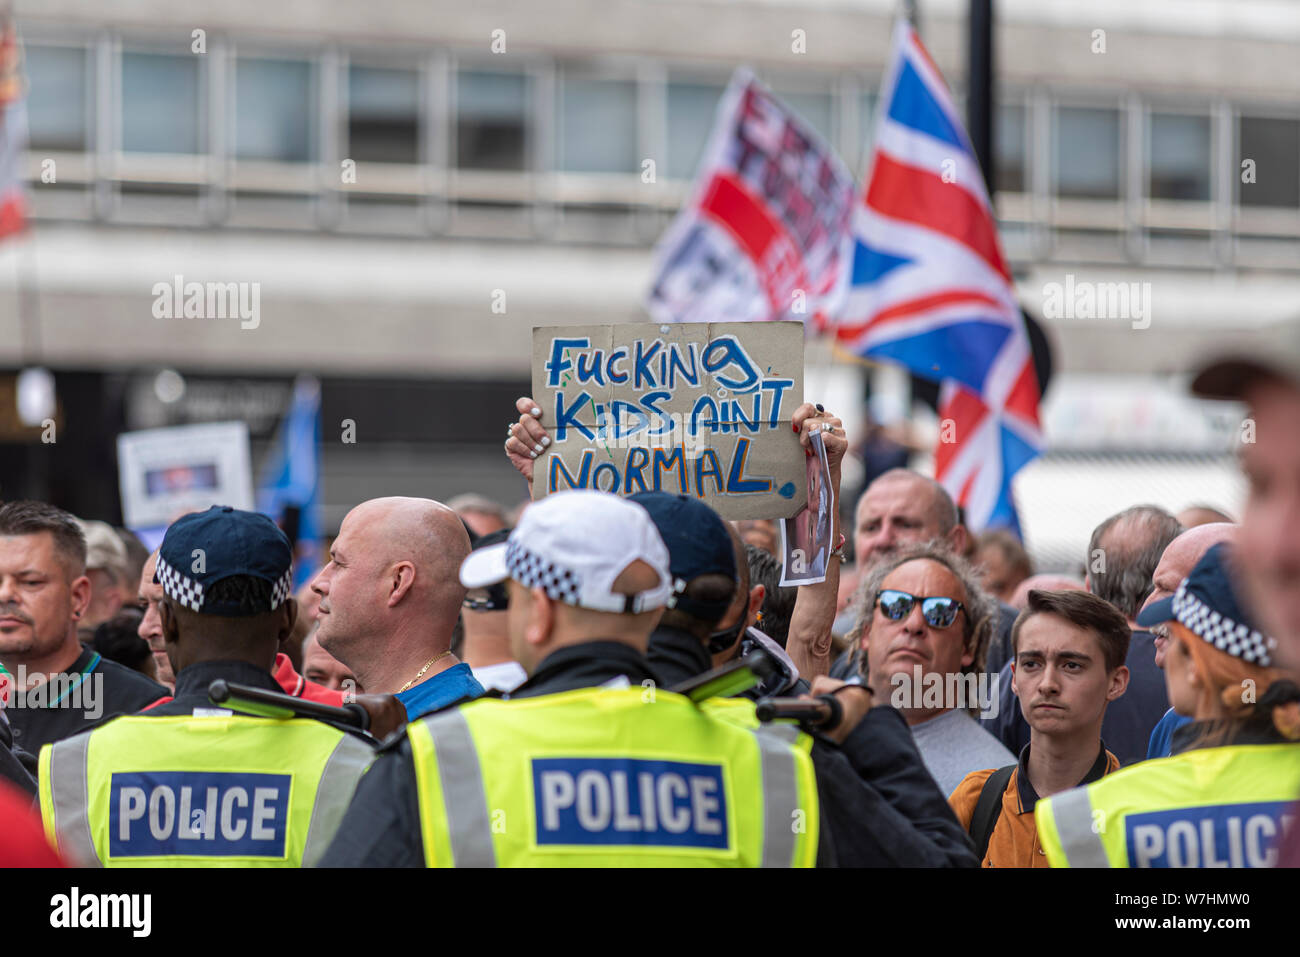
527,438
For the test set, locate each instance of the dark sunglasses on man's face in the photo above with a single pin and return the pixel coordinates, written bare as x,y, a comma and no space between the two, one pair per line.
939,612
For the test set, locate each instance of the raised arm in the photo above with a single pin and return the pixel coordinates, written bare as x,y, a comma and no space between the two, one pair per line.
809,640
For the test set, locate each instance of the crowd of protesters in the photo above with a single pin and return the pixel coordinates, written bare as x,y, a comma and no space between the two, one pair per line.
982,714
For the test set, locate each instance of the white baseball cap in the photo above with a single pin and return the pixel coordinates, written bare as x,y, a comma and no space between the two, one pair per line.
574,545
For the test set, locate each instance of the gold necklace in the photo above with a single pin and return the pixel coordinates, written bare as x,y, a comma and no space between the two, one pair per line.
426,667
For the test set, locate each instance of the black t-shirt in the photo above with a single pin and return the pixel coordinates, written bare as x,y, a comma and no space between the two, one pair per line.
91,691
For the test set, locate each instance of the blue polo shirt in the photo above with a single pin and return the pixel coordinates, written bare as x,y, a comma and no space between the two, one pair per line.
1162,737
444,688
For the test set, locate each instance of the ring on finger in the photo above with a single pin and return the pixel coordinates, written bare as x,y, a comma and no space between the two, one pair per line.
827,427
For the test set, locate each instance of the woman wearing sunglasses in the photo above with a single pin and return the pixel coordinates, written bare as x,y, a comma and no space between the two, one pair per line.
1223,798
924,624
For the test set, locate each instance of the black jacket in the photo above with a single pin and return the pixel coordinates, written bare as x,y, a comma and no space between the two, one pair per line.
12,768
192,685
192,691
879,804
116,689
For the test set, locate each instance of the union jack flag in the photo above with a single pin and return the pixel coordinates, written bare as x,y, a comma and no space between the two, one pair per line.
930,289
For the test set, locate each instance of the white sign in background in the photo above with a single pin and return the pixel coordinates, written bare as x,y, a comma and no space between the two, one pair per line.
164,473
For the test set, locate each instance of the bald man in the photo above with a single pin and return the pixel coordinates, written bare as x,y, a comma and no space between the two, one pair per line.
903,507
1045,582
1195,515
390,597
1176,563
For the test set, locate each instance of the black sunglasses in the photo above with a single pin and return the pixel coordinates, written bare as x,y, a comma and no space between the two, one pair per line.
939,612
494,598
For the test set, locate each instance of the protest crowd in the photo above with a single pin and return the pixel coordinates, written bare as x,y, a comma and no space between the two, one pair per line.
624,681
727,620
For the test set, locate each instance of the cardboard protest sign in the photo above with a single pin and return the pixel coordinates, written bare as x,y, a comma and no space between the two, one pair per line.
693,408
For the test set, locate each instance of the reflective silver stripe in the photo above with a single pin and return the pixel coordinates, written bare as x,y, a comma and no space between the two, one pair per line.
1072,812
338,782
463,795
788,733
780,794
71,796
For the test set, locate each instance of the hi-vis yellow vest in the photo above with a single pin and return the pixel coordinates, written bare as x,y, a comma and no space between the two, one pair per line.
1212,807
189,791
605,778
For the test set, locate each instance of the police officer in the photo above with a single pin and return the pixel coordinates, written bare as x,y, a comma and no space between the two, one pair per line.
188,784
887,810
1223,798
590,762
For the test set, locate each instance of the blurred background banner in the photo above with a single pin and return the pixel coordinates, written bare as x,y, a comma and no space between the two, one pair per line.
13,126
289,489
764,234
164,473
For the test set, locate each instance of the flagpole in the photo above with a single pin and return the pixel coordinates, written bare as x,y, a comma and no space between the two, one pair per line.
979,92
912,14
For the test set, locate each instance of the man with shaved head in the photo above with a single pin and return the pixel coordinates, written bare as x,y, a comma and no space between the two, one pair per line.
1177,562
390,597
903,507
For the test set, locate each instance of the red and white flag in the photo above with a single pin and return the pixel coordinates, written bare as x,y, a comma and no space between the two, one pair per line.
13,129
764,235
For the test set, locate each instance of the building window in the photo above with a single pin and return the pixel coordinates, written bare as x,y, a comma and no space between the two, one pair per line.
815,109
861,150
1273,147
1087,153
691,111
598,126
160,103
491,120
273,110
383,115
1178,146
1009,165
57,111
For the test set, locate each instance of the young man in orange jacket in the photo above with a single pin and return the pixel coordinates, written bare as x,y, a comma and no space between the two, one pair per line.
1068,664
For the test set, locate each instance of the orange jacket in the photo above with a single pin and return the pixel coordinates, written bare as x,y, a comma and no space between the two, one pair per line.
1014,841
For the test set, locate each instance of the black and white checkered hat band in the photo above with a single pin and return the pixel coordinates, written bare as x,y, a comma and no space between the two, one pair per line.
533,571
180,587
1237,639
281,590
